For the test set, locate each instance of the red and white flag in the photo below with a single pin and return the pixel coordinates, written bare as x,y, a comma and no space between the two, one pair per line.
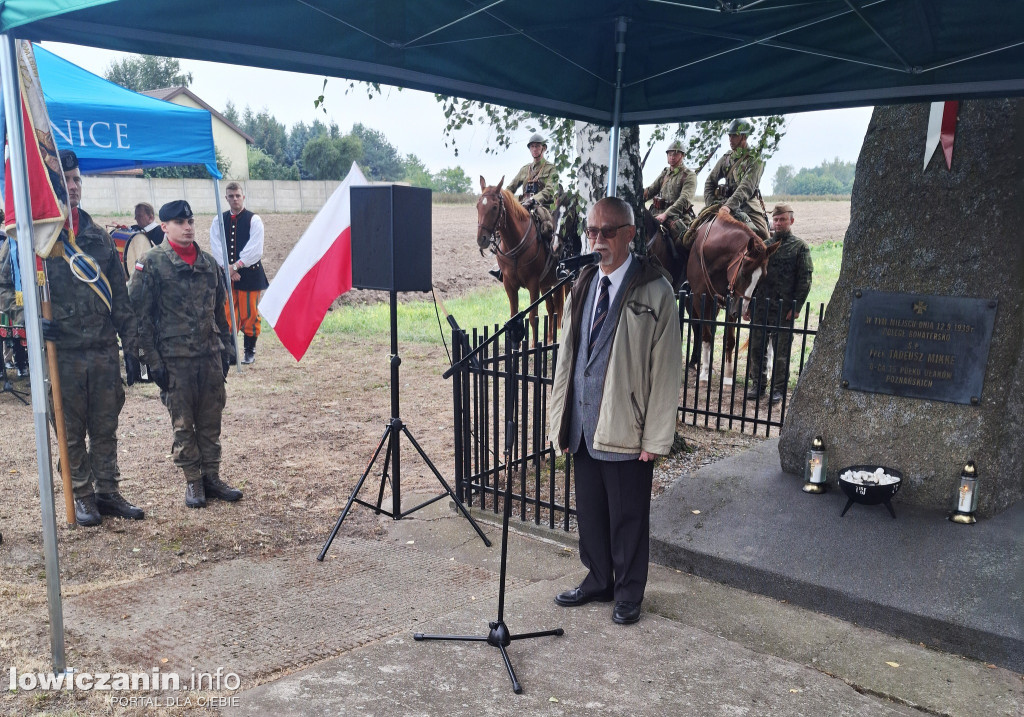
318,271
941,131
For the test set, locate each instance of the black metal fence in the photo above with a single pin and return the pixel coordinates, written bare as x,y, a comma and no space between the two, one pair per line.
486,425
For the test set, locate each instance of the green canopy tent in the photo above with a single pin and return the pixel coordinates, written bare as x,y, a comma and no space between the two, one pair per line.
609,62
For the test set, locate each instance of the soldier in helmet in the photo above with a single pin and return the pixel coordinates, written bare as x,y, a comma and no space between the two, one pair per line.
735,180
538,179
778,299
187,342
673,192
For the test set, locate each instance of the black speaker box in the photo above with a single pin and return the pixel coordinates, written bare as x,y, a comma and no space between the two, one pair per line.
391,238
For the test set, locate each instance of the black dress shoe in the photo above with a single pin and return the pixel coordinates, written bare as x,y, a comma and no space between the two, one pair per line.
754,393
86,513
114,504
216,488
195,496
576,597
496,273
626,613
777,397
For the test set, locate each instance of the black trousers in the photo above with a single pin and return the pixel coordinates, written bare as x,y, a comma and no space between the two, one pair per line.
613,507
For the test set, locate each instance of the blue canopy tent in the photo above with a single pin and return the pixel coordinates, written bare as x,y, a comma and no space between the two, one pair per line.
112,128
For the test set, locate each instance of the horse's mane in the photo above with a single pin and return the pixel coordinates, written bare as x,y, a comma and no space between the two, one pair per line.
759,246
515,210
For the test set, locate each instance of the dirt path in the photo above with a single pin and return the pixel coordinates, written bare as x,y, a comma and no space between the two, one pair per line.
296,437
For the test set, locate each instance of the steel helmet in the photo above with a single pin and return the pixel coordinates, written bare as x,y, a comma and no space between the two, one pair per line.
536,139
741,126
676,146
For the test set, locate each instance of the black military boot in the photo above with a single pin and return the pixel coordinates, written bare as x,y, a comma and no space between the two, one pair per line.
250,350
195,496
216,488
496,273
114,504
86,513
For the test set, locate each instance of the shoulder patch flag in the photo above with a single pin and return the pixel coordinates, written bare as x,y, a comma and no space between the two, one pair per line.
139,266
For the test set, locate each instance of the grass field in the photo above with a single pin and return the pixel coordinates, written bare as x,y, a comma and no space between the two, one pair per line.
418,322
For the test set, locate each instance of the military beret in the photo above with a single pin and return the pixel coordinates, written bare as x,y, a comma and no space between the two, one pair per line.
178,209
68,160
782,208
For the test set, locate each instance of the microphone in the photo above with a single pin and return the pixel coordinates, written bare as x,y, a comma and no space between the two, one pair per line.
575,263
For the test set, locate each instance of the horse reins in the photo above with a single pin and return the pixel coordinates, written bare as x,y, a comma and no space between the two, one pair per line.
736,262
514,253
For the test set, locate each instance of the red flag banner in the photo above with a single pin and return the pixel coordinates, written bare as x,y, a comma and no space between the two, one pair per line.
941,131
47,191
317,271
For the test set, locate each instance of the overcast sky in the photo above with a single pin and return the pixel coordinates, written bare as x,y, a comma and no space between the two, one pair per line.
413,121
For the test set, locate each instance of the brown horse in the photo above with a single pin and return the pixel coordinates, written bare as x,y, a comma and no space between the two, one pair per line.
727,260
511,233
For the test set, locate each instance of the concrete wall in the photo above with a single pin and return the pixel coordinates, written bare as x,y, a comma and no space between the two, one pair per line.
230,144
119,195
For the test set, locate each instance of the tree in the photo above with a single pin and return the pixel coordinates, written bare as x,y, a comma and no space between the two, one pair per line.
327,157
416,173
829,177
783,182
380,159
262,166
147,72
452,180
231,113
267,133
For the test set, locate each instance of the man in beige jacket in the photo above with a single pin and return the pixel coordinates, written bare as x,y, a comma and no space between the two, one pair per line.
613,406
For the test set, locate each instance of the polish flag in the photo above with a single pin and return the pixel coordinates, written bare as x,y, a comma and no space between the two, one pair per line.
941,131
318,271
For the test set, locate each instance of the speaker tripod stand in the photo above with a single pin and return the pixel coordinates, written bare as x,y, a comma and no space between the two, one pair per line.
396,428
499,635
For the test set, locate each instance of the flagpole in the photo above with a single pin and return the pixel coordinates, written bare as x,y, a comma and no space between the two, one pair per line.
33,333
227,273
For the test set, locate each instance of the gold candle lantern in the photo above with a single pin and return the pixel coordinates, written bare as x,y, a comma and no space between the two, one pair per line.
815,468
966,496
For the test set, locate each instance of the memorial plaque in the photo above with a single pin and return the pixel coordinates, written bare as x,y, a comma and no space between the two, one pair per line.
919,346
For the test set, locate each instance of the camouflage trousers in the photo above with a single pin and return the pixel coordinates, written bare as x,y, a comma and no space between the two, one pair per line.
780,335
92,394
195,398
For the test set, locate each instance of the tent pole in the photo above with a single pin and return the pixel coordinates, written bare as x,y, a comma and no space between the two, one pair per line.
34,334
613,158
227,273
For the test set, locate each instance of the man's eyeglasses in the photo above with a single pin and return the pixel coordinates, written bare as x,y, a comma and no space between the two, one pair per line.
606,232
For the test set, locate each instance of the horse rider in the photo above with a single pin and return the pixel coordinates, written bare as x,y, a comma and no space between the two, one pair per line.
672,194
539,180
735,180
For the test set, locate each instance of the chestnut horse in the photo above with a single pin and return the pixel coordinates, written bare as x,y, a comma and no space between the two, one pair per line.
727,260
510,232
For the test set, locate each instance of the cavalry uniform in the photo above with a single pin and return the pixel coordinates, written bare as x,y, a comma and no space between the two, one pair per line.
88,361
785,286
539,181
742,174
183,330
245,245
673,193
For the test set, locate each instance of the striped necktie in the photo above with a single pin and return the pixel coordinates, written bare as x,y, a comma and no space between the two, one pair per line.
601,314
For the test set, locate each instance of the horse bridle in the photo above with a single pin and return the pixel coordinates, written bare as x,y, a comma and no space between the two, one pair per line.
492,232
736,262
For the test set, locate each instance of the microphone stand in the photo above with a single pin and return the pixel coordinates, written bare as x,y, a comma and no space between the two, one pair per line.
514,330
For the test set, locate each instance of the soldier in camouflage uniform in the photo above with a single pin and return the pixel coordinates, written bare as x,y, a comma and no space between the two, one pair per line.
10,313
85,331
673,193
186,341
780,294
539,180
735,180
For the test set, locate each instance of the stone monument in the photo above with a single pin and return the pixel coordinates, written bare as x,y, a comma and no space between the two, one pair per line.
932,258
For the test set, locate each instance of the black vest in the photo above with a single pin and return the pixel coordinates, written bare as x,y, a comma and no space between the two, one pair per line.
253,278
